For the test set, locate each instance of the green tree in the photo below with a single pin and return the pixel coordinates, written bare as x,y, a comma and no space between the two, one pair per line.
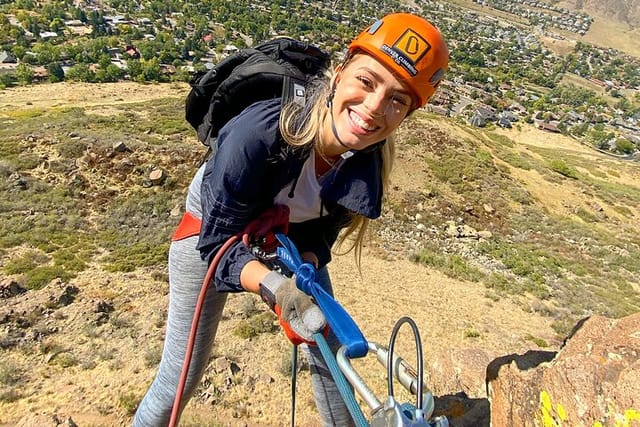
46,52
7,80
113,73
56,25
56,73
80,73
151,70
104,61
625,146
134,68
18,51
24,73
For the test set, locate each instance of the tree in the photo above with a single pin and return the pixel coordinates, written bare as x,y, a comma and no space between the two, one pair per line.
56,25
624,146
151,70
80,73
113,73
24,73
104,61
6,80
580,129
56,73
46,53
134,68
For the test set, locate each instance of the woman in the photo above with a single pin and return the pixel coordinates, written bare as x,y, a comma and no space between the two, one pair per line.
328,163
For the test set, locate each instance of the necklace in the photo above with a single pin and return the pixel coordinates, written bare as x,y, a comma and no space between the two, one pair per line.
327,160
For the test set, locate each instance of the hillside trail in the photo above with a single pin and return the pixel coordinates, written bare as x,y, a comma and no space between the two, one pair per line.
451,315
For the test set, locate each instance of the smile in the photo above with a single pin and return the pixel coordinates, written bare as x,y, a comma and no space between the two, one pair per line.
360,122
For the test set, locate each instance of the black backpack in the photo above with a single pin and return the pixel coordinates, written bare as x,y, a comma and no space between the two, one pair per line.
276,68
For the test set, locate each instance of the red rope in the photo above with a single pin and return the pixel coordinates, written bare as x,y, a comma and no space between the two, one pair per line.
274,218
194,329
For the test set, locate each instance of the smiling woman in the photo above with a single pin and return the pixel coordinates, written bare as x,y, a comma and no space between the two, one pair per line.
319,170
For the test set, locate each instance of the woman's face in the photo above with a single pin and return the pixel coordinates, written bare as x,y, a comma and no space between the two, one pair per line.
368,104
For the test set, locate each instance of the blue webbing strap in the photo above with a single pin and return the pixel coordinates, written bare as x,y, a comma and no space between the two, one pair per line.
339,320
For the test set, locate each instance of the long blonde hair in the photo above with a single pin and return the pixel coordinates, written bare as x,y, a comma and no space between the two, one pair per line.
302,126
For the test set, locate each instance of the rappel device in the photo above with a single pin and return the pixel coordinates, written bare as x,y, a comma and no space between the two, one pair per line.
386,413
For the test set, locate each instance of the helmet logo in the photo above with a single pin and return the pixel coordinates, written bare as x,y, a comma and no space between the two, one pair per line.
407,50
412,45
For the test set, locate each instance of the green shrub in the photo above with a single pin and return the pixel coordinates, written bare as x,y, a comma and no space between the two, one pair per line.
39,277
142,254
559,166
72,259
72,149
10,396
517,160
255,325
484,157
586,216
129,402
152,357
471,333
453,266
65,360
25,263
537,341
10,373
501,283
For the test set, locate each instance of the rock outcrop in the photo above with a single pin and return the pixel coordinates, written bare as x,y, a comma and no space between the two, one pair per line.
594,380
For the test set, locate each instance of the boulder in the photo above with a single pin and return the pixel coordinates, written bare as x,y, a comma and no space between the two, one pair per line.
593,380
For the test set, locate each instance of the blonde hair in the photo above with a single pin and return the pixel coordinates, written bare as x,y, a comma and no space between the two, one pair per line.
302,126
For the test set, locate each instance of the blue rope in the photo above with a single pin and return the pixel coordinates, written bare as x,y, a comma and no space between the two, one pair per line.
341,382
341,323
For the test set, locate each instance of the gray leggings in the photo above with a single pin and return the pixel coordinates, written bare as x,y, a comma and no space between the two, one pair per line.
186,274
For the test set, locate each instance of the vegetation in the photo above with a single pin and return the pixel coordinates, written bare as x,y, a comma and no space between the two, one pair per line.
255,325
572,264
590,92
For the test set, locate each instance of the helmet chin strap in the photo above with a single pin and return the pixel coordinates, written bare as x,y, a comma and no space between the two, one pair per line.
350,151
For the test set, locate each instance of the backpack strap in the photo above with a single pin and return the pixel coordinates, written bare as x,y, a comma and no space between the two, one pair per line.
293,91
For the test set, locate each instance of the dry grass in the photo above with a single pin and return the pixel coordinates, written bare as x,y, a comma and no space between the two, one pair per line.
96,364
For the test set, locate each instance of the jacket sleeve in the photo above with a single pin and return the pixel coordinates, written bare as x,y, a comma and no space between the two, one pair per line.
232,194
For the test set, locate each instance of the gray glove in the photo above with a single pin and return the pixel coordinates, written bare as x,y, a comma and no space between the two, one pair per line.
299,315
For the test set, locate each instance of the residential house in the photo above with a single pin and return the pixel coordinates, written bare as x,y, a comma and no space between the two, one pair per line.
486,112
47,35
551,126
504,122
132,51
477,121
437,109
7,58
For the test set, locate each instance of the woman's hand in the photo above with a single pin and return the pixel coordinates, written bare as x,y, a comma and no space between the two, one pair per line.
299,315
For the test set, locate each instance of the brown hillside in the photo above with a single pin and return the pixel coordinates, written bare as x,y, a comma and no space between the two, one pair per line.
86,348
624,11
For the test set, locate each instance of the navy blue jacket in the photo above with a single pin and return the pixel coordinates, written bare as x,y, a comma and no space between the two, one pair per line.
251,165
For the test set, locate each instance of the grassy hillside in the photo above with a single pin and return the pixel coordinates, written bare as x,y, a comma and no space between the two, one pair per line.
538,228
562,219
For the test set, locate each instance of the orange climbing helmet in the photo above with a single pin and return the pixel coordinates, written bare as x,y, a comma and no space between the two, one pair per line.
411,47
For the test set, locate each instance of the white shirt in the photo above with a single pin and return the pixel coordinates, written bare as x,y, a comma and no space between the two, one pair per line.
305,203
